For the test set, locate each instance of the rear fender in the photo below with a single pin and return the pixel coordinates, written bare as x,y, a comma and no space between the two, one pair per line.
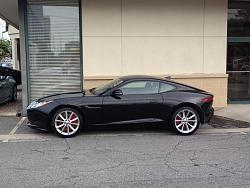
192,105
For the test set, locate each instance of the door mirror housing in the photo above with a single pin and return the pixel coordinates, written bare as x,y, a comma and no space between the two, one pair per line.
117,93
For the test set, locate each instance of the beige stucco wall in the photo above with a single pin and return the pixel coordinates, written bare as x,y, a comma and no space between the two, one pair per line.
156,37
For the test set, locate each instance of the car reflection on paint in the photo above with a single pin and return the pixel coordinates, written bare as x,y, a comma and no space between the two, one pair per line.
128,99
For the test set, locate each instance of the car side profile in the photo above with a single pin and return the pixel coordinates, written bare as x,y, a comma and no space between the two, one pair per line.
128,99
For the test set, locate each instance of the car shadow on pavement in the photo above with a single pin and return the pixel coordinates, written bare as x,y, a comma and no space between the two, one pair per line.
128,129
108,129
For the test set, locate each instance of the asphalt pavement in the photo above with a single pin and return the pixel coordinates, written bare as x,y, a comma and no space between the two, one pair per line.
141,156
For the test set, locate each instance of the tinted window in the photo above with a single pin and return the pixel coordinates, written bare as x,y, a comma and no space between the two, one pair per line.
238,18
166,87
140,87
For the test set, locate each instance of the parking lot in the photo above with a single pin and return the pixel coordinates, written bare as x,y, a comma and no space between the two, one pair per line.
140,156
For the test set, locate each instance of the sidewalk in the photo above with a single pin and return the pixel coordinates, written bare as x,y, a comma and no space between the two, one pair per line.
239,112
233,116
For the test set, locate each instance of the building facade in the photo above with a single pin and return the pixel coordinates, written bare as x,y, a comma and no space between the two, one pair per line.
68,45
15,47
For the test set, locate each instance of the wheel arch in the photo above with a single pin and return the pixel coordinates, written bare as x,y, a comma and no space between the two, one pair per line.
192,105
66,106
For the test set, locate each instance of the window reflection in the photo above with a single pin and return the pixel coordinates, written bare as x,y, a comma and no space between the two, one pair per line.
238,57
239,18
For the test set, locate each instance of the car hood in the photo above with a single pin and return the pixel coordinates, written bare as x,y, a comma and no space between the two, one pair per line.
62,95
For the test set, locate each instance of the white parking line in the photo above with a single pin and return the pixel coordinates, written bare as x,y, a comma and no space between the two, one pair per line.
23,137
243,133
38,137
12,132
17,126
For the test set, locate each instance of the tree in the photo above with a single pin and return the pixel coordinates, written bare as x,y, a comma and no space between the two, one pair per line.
5,48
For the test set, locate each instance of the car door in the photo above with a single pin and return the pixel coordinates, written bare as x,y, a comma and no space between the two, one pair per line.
139,102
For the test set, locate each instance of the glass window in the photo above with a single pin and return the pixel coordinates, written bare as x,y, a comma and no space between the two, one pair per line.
238,57
166,87
239,18
140,87
238,50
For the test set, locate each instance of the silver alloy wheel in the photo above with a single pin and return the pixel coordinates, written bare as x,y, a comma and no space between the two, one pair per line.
67,123
186,121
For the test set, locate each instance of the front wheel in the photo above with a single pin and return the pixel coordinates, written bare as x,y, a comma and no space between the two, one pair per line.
67,122
185,121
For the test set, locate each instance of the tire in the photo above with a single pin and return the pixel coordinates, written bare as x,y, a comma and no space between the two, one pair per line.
14,94
187,124
67,122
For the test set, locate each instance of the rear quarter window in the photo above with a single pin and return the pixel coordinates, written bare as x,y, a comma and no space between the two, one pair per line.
164,87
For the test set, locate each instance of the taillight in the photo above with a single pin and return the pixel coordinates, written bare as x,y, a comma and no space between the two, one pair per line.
207,99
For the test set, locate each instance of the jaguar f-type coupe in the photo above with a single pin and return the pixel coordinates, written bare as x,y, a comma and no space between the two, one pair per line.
125,100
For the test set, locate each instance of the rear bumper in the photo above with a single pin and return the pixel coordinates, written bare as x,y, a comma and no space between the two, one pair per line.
209,114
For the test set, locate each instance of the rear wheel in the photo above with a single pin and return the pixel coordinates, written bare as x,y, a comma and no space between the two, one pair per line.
185,121
14,94
67,122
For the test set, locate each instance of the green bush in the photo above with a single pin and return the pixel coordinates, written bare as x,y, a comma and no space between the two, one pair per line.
5,49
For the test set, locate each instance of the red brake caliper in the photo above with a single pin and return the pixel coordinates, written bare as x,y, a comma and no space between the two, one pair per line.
178,122
75,121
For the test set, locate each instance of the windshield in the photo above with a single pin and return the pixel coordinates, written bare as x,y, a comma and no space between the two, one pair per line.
107,86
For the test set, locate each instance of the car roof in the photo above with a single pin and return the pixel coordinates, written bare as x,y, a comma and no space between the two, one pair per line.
135,77
141,77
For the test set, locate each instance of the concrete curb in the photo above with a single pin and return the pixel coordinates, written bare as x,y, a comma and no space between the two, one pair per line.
216,130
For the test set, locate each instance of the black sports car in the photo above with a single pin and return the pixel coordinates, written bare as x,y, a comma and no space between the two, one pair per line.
8,89
129,99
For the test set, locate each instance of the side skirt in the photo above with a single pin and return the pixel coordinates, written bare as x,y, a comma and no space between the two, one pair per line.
147,120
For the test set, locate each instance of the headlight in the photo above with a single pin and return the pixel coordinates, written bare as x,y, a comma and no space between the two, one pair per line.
36,104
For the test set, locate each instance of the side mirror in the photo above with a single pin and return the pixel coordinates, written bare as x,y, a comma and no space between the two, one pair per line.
117,93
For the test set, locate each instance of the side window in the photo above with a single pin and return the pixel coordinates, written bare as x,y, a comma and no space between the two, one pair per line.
140,87
166,87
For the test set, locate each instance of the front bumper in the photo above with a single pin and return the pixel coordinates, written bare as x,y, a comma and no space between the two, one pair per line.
38,120
36,127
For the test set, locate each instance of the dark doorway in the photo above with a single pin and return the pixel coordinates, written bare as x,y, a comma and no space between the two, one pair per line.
238,52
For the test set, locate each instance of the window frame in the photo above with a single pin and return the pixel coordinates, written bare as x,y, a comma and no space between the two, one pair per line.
140,80
108,93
